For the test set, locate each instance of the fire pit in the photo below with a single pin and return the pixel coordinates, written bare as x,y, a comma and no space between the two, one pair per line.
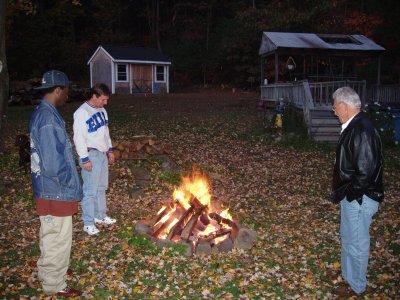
189,218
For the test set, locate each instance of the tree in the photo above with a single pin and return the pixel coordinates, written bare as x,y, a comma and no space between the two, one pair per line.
4,80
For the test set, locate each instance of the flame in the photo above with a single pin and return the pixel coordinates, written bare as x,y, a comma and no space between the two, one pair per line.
166,231
225,214
196,185
161,210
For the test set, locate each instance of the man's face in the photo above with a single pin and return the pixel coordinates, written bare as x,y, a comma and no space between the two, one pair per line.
62,95
100,101
340,110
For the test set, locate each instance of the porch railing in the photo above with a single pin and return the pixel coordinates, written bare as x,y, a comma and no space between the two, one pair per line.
388,93
298,93
322,91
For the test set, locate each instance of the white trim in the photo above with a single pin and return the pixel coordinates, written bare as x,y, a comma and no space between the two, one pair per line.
142,61
165,74
112,78
130,77
91,76
126,72
97,50
152,78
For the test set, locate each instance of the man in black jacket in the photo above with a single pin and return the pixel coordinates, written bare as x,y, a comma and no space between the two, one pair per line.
357,185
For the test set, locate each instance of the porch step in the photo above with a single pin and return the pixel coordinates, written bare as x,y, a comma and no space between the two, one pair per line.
325,126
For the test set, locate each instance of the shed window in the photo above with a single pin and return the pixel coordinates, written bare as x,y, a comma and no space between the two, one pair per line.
160,73
122,72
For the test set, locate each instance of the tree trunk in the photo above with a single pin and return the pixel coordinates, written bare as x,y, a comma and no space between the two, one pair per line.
4,79
209,13
157,25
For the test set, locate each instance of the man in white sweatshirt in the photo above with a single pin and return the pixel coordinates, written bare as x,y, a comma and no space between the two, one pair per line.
93,144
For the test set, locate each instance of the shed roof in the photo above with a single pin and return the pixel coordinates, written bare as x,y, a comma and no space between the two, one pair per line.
272,41
133,54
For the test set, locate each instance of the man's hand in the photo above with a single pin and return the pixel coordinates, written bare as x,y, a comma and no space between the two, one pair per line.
111,158
88,166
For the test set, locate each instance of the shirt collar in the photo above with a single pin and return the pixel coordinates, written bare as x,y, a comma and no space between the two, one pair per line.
344,126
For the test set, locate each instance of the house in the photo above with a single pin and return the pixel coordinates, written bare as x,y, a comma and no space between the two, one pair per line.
128,70
319,57
304,69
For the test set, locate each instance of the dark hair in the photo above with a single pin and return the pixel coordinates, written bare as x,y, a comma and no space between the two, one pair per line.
100,89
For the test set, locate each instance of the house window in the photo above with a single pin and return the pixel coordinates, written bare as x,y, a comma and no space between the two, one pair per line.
122,72
160,73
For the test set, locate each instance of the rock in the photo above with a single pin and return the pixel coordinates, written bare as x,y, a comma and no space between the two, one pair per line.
245,239
135,193
188,248
112,175
142,183
140,174
167,163
203,248
141,227
162,243
225,245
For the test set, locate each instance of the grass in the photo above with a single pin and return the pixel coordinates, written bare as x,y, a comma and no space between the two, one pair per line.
282,198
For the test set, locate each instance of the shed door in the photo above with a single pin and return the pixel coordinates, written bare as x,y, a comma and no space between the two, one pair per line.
141,79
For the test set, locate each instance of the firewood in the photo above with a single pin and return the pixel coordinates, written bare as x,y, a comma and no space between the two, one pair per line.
167,149
170,206
187,231
157,232
148,149
222,220
181,223
214,235
205,219
117,153
138,145
126,144
195,202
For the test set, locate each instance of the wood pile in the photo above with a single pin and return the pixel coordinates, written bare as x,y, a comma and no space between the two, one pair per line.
140,147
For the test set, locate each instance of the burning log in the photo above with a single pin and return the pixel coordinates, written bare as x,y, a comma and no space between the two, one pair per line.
178,227
187,231
214,235
222,220
195,202
163,211
204,218
187,220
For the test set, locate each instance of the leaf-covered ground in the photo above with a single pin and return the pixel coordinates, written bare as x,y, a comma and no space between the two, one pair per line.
279,189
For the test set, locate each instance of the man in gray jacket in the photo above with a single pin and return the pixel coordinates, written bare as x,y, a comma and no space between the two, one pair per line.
56,185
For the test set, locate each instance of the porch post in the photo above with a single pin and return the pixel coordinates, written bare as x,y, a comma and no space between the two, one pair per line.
378,78
276,67
262,71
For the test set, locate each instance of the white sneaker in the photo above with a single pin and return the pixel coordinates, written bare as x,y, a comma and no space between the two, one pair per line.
106,221
91,229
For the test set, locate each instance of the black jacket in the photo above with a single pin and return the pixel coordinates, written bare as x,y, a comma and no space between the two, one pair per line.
358,166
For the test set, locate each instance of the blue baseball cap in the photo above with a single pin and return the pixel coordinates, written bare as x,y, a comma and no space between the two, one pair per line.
53,78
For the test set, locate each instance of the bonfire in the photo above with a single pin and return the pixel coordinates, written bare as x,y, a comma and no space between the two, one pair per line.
189,217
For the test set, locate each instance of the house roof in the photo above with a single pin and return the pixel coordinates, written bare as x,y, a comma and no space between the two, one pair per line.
133,54
272,41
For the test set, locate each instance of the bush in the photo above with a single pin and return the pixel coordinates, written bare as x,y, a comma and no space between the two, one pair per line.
382,118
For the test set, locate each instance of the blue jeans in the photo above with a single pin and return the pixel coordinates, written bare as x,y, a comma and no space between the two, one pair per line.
355,220
95,184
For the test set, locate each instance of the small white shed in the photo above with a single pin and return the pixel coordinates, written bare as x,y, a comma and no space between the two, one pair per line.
128,70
